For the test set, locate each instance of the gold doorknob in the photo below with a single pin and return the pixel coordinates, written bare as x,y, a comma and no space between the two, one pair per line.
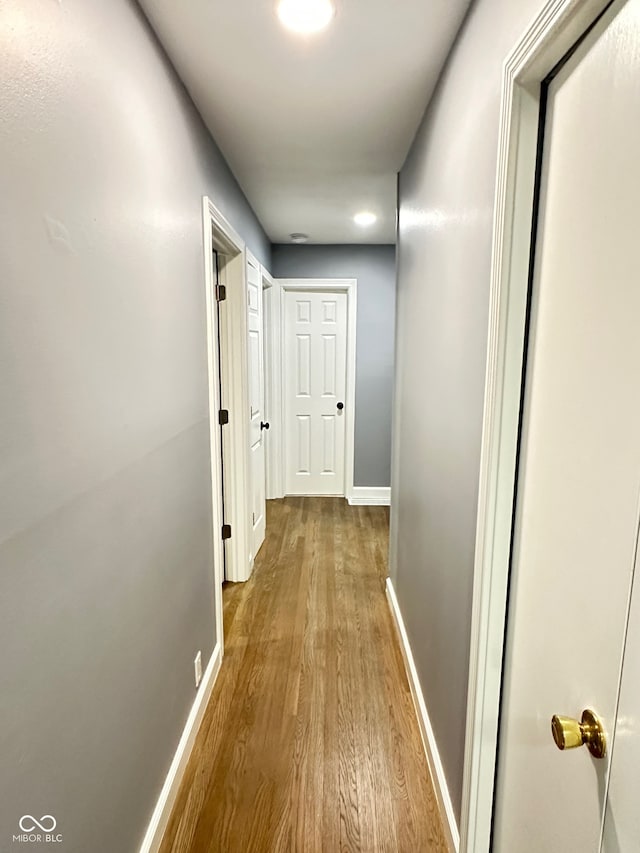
569,733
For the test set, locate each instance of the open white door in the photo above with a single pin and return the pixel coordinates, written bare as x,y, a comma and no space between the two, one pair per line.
579,464
256,399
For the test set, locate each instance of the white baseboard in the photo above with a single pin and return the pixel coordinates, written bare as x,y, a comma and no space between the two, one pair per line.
428,738
169,792
370,496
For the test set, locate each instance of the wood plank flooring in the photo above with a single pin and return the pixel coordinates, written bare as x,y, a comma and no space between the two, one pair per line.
310,743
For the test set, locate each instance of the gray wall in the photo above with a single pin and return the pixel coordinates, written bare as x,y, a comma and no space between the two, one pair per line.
375,269
446,207
106,577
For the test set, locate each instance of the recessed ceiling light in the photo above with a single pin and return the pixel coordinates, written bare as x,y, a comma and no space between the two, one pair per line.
298,237
306,16
365,219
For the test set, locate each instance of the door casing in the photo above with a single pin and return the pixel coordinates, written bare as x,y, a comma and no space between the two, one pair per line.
218,234
550,36
275,380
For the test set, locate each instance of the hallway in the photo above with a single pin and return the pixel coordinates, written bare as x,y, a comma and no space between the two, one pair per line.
310,741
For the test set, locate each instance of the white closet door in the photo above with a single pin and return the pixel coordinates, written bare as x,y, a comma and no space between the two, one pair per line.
579,468
315,371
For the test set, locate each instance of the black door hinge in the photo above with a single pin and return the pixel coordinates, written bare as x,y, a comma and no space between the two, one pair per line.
221,292
223,417
226,531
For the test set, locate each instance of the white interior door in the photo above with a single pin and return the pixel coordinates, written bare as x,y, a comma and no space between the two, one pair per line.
256,399
579,464
269,402
315,379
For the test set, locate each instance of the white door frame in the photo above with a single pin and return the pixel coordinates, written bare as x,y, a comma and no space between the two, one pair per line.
331,285
547,40
220,235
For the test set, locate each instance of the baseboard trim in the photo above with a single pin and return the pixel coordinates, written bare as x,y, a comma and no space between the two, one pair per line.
370,496
169,792
428,738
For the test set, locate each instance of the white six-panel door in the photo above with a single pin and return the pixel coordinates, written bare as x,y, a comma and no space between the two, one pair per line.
315,380
256,400
579,466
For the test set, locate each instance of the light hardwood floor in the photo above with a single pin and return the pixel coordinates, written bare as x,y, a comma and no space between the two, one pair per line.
310,743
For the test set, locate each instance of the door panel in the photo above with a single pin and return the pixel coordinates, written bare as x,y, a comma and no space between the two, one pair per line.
315,359
256,397
328,365
579,459
329,444
304,444
303,388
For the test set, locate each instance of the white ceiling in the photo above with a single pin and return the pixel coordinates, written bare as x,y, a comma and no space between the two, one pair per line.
316,128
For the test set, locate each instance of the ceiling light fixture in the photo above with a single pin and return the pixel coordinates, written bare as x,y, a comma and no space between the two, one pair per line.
298,237
365,219
306,16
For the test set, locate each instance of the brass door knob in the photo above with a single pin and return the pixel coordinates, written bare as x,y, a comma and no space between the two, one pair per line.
569,733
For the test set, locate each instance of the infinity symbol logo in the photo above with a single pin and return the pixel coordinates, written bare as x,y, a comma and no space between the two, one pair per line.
47,823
